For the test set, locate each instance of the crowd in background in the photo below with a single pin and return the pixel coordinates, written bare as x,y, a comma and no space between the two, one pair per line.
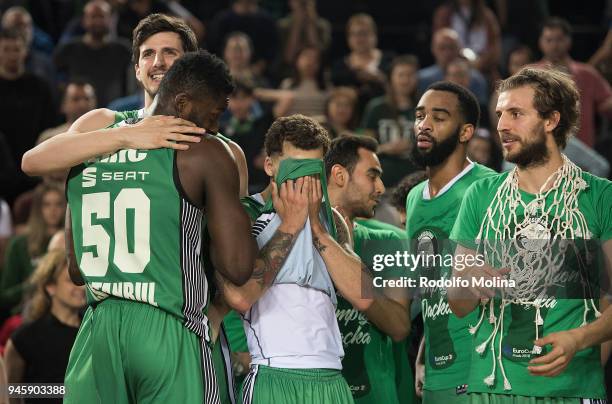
62,58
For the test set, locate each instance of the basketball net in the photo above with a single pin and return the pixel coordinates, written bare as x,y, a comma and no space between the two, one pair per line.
533,249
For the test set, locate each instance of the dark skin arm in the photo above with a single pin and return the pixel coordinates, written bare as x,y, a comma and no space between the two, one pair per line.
210,179
73,267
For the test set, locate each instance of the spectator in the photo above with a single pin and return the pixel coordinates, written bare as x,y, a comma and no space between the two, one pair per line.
26,106
400,193
595,92
24,251
37,62
247,124
478,30
95,57
446,47
302,28
365,66
390,119
483,149
237,53
308,88
38,351
246,16
518,58
458,72
341,112
79,98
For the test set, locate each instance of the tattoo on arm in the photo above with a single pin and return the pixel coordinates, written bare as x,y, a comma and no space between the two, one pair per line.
272,257
342,230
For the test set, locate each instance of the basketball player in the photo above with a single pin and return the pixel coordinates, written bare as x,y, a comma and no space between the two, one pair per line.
355,188
288,305
533,222
158,41
136,221
446,117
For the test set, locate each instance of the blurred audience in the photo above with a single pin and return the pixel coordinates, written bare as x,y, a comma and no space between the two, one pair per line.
38,351
390,119
95,57
246,123
302,28
365,66
26,106
446,47
341,112
24,251
237,53
38,43
307,86
79,98
478,31
595,92
246,16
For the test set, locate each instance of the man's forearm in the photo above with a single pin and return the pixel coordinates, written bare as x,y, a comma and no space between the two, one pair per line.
68,149
268,263
595,333
348,273
390,317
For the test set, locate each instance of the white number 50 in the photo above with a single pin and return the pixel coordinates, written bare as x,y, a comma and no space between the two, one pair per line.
98,204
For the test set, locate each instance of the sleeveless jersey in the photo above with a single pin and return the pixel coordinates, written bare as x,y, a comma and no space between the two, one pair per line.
136,235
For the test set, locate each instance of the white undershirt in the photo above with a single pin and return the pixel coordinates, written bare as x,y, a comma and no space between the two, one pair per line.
426,194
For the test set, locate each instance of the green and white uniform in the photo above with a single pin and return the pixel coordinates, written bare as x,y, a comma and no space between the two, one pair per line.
137,240
429,222
293,335
369,363
577,207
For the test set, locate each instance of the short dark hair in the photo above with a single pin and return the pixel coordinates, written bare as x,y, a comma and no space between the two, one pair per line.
242,86
553,91
198,74
345,151
156,23
468,104
403,188
406,59
557,23
301,131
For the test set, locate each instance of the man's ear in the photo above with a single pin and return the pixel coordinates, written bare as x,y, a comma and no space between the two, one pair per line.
182,105
338,175
467,133
268,166
137,72
551,123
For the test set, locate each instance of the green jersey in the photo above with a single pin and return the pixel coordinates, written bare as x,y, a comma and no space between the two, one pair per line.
502,369
378,225
137,236
128,117
428,224
368,364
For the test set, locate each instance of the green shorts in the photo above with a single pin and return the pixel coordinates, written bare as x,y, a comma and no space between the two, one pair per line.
267,385
130,352
446,396
488,398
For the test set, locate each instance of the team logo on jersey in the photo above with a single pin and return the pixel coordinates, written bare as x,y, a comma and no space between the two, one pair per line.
89,177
